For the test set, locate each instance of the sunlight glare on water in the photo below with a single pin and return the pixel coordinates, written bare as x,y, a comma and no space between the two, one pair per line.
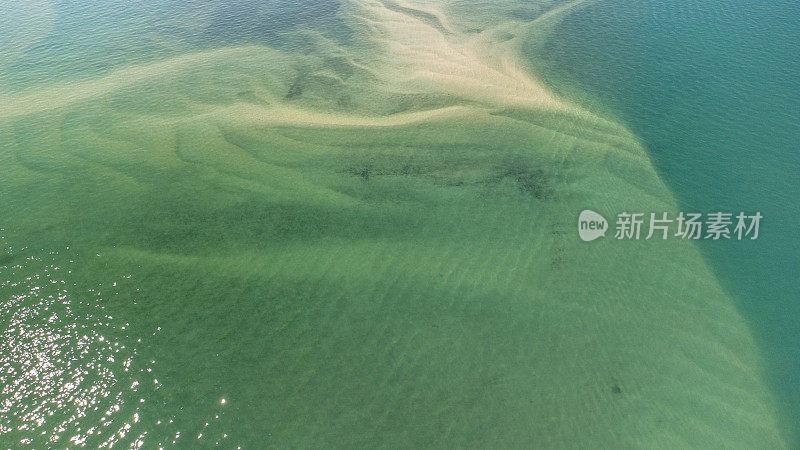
69,369
63,354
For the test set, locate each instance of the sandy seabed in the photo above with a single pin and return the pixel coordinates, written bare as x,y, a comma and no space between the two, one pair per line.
379,239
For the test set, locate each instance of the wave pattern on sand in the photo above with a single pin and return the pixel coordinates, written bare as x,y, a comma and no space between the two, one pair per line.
390,225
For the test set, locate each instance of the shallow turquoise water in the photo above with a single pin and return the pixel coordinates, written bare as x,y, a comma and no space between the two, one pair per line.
713,89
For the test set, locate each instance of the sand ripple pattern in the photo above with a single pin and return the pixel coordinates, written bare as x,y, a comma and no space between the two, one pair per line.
388,220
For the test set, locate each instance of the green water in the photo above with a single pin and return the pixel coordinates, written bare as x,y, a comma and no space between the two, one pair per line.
351,224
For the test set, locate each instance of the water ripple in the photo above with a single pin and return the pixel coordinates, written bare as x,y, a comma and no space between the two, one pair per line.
62,354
